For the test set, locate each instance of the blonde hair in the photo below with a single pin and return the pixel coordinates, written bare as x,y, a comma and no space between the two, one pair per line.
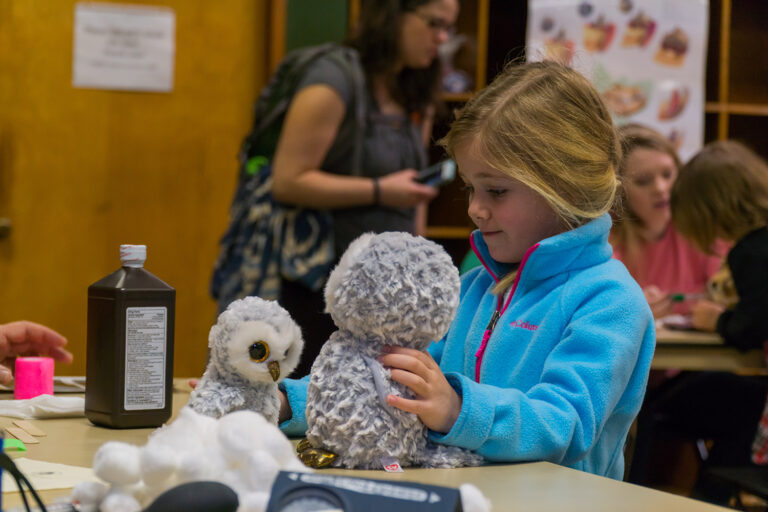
626,224
722,192
544,125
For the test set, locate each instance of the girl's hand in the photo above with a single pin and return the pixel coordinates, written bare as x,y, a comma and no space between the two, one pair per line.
400,190
705,314
660,302
286,412
436,404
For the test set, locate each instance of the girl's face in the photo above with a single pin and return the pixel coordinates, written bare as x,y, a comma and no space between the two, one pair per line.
649,177
424,29
510,215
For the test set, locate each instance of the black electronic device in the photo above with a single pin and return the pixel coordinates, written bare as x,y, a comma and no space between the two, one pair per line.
201,496
307,492
438,174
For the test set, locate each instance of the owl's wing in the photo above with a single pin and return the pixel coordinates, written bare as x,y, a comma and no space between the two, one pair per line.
380,381
215,398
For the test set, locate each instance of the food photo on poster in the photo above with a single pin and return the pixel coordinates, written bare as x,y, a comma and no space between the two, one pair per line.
647,59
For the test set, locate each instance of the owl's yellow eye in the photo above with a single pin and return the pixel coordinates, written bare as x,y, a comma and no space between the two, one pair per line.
259,351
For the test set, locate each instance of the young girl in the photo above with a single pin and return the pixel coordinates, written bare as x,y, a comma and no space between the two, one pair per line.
723,193
548,356
661,260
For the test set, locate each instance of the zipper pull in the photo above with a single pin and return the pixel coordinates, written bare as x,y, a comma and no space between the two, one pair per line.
492,323
486,337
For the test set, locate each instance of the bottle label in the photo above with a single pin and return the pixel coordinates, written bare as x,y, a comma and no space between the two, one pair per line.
146,331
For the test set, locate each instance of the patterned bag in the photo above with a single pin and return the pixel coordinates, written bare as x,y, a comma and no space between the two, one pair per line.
267,240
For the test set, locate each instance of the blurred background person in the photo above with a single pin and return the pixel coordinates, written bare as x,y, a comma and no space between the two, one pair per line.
672,271
313,166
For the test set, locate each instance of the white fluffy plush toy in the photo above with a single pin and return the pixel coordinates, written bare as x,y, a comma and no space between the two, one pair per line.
253,346
388,289
241,450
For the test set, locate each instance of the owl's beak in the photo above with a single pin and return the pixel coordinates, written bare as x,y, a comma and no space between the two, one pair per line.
274,369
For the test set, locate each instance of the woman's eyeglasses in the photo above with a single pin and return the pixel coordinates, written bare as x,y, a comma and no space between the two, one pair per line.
435,23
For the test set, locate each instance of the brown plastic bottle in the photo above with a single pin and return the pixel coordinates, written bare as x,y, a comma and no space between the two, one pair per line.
129,363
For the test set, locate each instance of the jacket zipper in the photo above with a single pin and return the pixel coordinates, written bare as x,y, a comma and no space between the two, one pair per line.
499,309
486,336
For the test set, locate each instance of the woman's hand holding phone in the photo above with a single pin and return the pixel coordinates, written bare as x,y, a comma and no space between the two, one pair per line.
401,190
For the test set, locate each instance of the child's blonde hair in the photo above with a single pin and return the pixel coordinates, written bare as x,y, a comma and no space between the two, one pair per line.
626,224
544,125
722,192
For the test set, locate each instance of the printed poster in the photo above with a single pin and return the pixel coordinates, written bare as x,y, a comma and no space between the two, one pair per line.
646,58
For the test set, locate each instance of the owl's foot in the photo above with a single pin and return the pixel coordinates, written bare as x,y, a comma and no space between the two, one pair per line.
314,457
303,445
317,458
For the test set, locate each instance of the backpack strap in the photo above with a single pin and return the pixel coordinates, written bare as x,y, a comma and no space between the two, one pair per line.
349,59
283,87
297,63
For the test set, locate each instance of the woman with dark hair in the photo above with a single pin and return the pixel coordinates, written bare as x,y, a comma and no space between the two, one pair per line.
397,43
403,60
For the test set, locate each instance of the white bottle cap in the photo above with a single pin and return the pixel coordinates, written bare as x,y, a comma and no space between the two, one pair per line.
133,255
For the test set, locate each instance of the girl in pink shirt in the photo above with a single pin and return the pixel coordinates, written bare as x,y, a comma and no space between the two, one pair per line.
672,272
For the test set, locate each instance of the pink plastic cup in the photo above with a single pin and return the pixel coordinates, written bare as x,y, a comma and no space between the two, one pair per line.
33,376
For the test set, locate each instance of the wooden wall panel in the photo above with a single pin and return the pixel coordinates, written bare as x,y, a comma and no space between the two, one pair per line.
82,171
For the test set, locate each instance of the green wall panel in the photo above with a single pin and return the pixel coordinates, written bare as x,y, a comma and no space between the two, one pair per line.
310,22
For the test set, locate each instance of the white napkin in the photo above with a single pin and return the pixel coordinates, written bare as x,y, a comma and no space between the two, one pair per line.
44,406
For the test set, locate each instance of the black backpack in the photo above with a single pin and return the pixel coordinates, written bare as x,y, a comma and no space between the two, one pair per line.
266,240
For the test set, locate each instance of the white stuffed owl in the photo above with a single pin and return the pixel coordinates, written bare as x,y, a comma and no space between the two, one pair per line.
253,346
388,289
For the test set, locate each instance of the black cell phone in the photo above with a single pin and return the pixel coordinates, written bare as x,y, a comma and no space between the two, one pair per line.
438,174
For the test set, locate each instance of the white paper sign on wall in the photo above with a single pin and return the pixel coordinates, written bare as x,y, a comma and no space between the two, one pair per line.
123,47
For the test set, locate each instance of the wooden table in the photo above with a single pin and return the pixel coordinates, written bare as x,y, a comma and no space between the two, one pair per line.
510,487
694,350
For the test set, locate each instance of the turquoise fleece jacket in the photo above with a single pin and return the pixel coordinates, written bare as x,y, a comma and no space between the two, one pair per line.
562,374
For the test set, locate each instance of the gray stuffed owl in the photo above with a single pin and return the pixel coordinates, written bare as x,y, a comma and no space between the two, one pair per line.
253,345
388,289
